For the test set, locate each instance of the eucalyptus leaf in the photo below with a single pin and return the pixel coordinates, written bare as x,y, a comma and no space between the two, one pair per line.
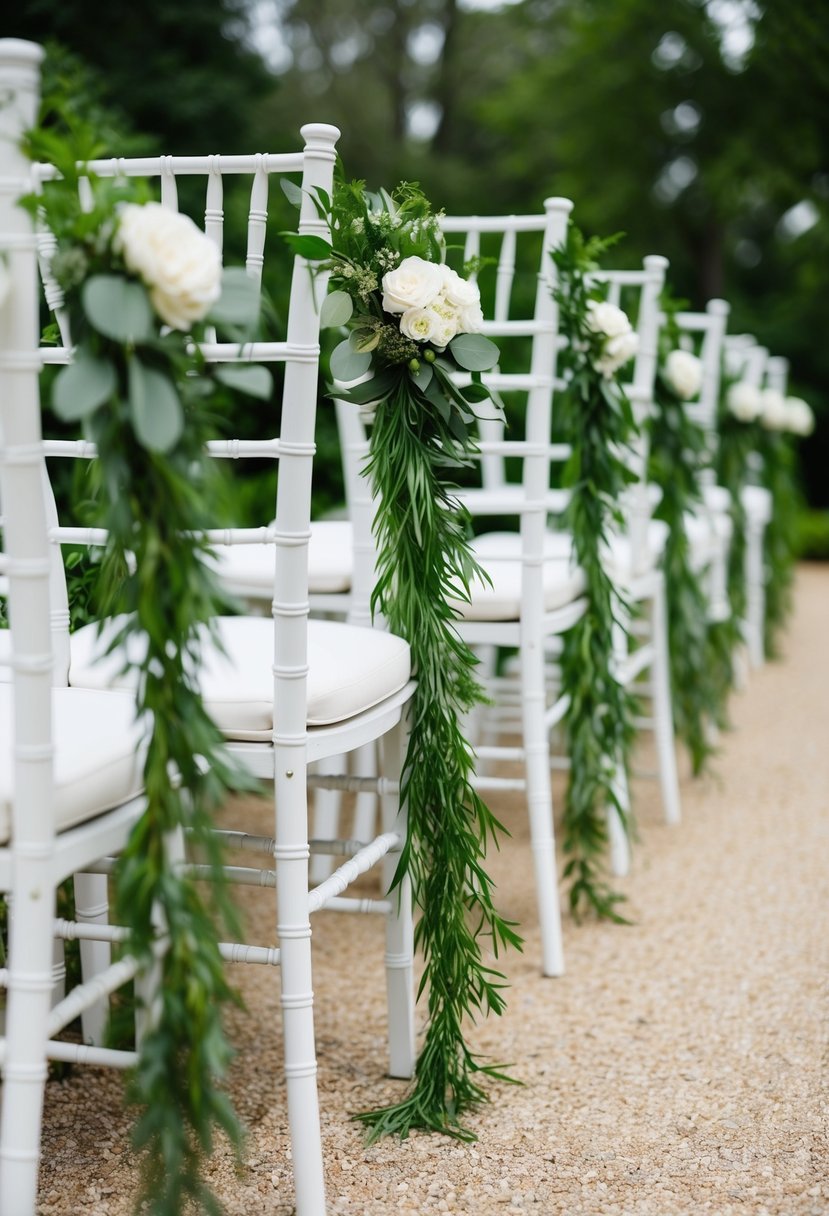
118,308
307,245
249,378
155,408
82,386
336,310
292,191
346,364
474,352
239,302
423,376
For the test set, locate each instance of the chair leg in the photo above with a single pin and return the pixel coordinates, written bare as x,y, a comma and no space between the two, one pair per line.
662,709
540,806
364,764
327,804
297,999
24,1066
755,596
399,958
92,907
616,832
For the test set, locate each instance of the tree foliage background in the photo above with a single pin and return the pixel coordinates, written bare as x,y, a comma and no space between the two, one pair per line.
700,128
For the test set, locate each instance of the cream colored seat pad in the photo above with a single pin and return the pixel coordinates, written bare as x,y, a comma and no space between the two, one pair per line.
562,581
350,670
247,570
99,754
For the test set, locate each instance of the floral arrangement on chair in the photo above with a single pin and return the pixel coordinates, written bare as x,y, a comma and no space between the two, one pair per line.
597,420
763,421
701,677
139,285
413,326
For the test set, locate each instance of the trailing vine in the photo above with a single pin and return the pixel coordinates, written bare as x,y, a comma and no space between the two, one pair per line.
597,420
144,395
411,325
779,476
677,453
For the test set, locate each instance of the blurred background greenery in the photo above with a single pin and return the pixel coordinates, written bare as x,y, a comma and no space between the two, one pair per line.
700,128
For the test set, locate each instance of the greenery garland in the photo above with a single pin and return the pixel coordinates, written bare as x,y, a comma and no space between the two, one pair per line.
144,395
411,323
779,476
677,452
597,420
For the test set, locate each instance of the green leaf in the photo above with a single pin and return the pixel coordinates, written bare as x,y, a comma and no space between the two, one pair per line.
248,378
82,386
474,352
346,364
336,310
239,301
422,376
475,392
313,248
157,416
292,191
366,391
118,308
363,340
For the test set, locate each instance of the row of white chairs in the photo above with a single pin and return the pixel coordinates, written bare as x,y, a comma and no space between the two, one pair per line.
325,689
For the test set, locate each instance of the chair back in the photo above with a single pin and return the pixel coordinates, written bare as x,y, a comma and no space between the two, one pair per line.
703,333
638,293
226,184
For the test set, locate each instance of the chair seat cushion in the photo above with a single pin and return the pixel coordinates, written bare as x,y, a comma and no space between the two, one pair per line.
98,754
757,502
350,670
506,499
247,570
499,553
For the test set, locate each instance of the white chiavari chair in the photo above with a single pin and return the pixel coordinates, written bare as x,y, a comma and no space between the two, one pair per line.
286,693
70,759
709,527
747,360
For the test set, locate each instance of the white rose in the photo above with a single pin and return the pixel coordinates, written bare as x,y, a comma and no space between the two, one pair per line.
743,401
607,319
616,352
470,319
180,265
683,374
460,293
801,418
773,414
414,284
421,325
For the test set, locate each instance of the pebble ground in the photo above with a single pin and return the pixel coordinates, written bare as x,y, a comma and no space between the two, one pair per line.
679,1068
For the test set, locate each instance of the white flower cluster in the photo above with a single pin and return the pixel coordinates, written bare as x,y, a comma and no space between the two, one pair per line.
619,341
774,411
179,264
433,302
744,402
683,374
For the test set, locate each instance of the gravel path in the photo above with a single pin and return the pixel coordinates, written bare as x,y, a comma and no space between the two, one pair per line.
680,1067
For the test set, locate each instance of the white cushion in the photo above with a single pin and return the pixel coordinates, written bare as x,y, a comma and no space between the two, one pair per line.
499,553
506,499
98,754
247,570
757,503
563,582
350,670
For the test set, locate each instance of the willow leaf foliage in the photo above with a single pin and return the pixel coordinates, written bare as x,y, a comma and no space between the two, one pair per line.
596,419
421,432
